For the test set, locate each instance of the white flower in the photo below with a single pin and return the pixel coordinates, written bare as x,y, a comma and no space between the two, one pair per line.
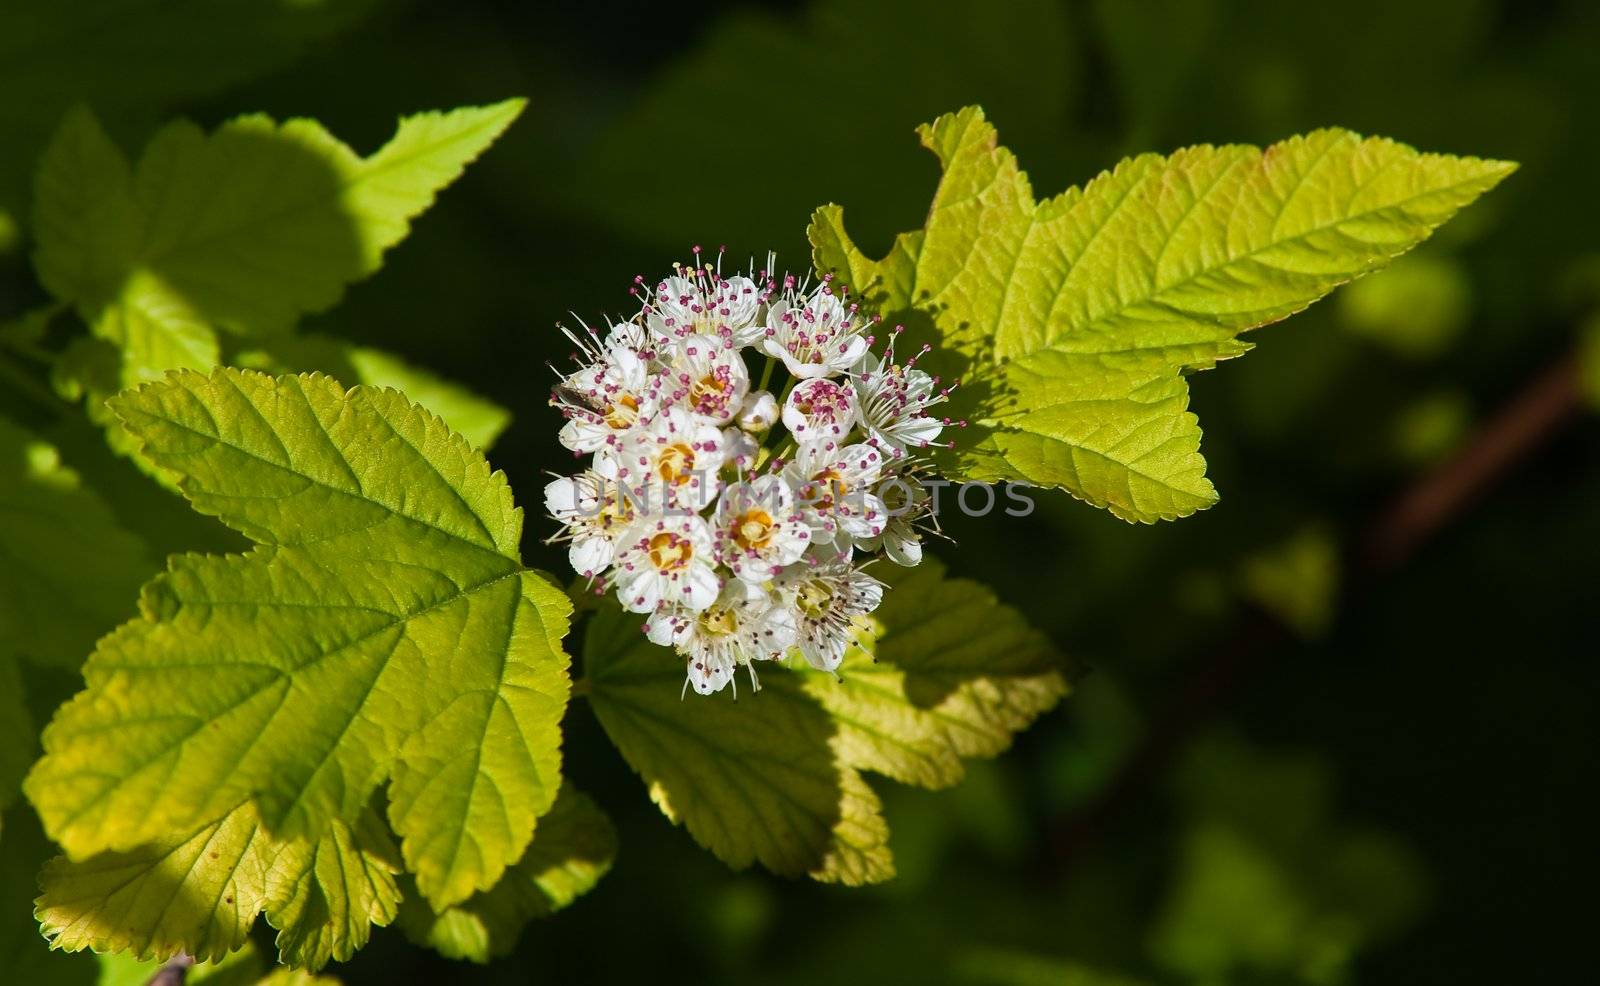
678,307
697,301
739,448
634,335
737,301
733,555
759,411
905,502
819,409
745,624
818,337
666,561
707,375
835,486
672,460
894,400
826,598
592,515
760,529
603,401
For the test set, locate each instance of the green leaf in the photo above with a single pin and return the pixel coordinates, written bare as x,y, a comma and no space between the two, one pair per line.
945,672
199,893
573,849
1073,321
775,777
68,571
245,229
296,977
478,419
384,628
755,779
130,57
325,897
1296,581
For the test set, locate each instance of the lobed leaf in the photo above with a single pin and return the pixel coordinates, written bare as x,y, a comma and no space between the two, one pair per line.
775,777
944,672
246,228
67,568
572,850
476,418
200,892
383,628
754,780
1073,320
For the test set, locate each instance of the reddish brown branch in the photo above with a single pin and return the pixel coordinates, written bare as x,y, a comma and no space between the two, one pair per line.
1521,426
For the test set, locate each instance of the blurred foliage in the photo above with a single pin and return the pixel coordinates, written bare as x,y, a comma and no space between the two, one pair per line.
1454,701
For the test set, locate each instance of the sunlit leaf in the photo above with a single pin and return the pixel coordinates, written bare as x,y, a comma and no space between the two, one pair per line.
384,627
1074,320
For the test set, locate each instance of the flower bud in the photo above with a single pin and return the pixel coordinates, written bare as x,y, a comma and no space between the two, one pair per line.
758,412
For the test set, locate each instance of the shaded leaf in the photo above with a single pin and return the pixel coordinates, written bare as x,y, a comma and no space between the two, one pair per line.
68,570
476,418
572,850
956,675
244,229
775,777
754,779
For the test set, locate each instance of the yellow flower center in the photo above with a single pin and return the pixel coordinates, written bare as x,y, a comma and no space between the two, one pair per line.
826,485
615,511
675,463
719,620
669,552
706,386
623,413
754,529
813,599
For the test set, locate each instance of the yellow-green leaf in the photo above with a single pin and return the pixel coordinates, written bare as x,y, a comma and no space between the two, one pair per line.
754,779
572,850
1073,320
199,893
384,628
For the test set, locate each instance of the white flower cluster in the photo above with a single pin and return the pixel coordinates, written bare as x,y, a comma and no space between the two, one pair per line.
739,522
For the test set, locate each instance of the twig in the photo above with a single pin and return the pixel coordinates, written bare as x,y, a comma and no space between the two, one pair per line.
1521,426
174,972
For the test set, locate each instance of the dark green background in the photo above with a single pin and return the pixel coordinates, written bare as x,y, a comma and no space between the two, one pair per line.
1398,791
